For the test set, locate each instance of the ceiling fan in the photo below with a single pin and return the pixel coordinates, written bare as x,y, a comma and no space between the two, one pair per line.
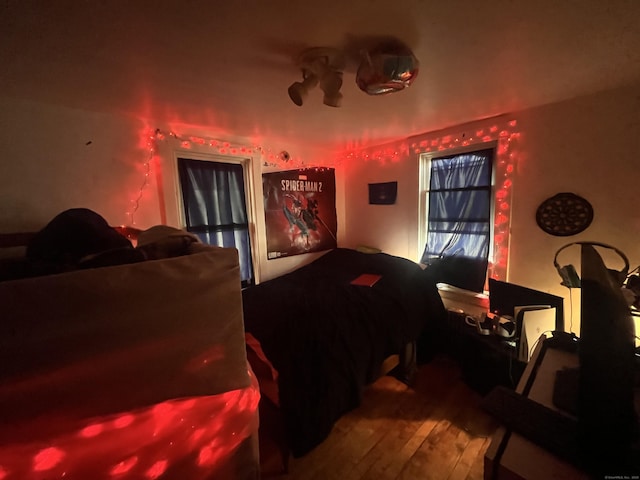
385,67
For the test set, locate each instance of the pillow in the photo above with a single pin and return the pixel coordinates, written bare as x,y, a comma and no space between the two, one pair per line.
162,241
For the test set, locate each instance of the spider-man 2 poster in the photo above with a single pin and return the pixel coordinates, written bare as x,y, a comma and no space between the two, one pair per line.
300,211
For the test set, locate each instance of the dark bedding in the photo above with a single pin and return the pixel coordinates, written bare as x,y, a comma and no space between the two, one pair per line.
327,338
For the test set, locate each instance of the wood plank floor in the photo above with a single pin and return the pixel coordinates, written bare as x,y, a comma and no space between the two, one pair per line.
433,430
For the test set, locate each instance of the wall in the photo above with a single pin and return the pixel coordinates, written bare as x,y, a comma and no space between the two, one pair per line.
55,158
392,228
588,146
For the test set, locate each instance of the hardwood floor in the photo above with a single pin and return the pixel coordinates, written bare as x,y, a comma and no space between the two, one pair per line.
433,430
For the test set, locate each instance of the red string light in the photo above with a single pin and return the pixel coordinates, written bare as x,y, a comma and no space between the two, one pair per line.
217,146
151,150
505,162
506,135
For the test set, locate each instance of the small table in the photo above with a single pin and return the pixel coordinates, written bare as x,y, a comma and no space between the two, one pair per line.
512,456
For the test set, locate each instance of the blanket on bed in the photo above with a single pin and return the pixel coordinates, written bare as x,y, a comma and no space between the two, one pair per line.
327,338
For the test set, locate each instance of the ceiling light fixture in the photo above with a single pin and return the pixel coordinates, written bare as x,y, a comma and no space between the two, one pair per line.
330,84
298,91
388,66
319,66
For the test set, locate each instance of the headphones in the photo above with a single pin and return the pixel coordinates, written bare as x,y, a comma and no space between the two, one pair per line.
570,278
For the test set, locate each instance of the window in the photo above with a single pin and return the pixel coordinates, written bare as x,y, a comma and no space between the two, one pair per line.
456,212
215,207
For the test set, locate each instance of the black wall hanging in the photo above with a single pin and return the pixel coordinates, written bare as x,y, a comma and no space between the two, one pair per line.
383,193
564,214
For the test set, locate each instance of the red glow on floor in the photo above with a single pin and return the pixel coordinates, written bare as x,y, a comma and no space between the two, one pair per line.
47,459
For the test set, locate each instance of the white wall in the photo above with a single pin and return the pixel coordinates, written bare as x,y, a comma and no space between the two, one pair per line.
392,228
55,158
589,146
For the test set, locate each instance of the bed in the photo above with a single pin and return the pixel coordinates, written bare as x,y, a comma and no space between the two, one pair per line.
316,339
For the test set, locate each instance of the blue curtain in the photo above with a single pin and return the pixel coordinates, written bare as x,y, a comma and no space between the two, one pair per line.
459,218
213,195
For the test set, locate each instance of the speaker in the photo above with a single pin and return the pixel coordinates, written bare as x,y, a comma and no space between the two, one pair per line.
569,275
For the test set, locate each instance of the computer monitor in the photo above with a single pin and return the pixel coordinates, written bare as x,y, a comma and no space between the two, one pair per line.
504,297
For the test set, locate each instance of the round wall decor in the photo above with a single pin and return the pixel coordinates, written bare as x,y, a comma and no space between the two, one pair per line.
564,214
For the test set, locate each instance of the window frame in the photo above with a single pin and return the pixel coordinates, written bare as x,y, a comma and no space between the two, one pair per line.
247,176
424,179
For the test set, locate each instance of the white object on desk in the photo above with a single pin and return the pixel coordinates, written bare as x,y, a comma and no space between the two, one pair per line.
535,321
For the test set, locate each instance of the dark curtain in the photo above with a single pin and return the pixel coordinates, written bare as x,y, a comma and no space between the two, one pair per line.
459,222
213,195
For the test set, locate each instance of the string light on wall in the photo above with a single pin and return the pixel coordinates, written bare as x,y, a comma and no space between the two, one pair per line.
506,135
282,160
146,166
505,168
218,146
222,147
270,158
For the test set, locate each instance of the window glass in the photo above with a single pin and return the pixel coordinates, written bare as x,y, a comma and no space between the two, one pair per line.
215,208
458,227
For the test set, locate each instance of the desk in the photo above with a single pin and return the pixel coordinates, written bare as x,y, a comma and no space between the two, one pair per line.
510,455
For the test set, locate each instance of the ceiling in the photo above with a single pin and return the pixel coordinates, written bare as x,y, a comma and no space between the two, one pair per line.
227,64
